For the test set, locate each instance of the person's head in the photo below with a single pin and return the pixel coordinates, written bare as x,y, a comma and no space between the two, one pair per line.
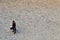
13,21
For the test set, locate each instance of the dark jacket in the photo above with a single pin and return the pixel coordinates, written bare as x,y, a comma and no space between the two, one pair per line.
13,25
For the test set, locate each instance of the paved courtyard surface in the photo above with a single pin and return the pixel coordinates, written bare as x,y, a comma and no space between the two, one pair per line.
35,19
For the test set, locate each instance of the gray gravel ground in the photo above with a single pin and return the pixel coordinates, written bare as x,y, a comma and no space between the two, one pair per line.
35,20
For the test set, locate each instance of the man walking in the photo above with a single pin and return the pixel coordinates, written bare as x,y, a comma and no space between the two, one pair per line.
13,27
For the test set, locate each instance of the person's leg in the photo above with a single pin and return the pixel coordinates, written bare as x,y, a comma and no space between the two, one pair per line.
14,30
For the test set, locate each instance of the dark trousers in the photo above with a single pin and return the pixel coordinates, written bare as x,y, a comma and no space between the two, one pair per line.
14,29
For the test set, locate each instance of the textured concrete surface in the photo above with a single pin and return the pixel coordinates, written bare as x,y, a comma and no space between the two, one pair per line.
35,19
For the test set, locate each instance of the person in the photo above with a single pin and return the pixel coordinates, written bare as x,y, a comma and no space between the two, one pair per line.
13,27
